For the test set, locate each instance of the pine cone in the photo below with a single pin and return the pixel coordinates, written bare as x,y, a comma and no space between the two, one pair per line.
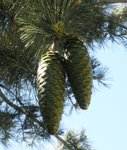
79,71
50,79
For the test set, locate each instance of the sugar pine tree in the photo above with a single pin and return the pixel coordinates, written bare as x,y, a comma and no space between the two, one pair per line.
28,31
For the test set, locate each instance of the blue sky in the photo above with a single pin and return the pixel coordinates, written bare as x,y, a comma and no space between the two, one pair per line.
105,121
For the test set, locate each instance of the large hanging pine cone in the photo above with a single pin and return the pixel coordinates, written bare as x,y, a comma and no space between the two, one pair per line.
50,79
79,71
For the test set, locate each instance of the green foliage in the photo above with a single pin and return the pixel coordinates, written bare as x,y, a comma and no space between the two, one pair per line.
99,72
7,124
75,141
88,20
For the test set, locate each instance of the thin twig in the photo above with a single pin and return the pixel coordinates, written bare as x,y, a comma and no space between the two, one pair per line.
63,141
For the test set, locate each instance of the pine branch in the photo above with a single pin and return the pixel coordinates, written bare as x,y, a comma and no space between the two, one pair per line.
63,141
17,108
20,110
108,19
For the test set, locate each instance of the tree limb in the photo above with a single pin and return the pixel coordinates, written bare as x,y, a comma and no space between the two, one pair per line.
19,109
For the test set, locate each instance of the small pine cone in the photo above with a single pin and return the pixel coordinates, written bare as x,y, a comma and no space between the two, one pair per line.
50,80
